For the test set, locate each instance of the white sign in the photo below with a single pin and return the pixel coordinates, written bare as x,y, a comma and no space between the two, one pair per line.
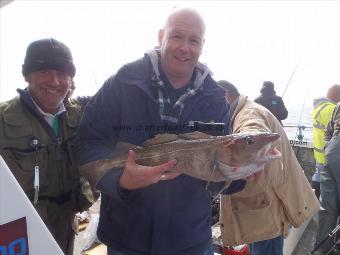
17,215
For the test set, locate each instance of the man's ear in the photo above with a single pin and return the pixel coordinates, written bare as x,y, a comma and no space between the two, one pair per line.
160,36
203,41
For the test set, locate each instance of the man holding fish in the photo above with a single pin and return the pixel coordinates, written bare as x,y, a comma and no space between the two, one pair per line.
261,213
153,208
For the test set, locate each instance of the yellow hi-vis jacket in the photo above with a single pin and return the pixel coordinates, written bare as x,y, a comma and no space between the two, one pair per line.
322,113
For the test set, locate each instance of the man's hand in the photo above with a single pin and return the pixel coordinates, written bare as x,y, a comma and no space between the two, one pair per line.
136,176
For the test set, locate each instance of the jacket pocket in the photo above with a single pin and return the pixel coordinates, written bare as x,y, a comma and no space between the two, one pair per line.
253,216
16,126
22,164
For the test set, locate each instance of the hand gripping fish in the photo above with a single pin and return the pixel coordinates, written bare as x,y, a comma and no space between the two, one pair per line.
211,158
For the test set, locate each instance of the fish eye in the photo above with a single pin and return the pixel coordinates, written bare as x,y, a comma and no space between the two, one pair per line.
250,140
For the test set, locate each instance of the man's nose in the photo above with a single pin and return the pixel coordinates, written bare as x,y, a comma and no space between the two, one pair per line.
53,77
185,45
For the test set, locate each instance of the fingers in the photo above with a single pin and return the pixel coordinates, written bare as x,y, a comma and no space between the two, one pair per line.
169,176
163,172
131,159
161,169
137,176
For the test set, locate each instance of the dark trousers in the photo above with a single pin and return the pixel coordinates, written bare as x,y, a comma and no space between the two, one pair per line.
330,193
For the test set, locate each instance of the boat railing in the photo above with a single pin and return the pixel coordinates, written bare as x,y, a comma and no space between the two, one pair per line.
302,147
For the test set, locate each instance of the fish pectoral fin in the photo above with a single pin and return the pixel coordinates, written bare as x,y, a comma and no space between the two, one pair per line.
160,139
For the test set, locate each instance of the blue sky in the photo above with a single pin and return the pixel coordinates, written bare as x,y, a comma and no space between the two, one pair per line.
247,42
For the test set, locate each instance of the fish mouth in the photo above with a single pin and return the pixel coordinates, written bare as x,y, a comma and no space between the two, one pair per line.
268,154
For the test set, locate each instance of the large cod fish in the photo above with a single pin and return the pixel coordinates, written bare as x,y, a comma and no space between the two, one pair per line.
210,158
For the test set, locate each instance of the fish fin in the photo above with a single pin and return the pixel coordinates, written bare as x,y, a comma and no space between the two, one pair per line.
160,139
194,136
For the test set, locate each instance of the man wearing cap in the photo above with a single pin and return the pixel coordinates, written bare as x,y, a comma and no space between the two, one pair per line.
36,139
271,101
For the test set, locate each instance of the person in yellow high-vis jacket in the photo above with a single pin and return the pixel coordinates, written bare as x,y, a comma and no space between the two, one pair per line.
322,112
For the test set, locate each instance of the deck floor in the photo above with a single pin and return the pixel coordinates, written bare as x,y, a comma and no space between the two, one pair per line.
305,245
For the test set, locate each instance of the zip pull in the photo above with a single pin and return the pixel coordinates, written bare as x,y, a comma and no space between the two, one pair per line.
36,184
34,143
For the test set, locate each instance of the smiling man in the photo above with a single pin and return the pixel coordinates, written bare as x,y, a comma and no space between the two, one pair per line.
36,139
153,210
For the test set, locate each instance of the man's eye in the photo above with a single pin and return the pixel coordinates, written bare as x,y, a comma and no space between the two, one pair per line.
176,37
63,76
195,42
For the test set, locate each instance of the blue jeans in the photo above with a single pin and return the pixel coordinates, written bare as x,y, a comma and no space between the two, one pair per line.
330,193
267,247
110,251
316,178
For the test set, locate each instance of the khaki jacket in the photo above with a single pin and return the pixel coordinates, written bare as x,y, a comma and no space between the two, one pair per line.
282,196
62,191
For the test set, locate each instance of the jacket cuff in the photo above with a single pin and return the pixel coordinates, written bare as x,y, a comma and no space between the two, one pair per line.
109,185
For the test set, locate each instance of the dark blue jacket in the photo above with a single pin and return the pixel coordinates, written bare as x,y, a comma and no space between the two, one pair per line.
166,218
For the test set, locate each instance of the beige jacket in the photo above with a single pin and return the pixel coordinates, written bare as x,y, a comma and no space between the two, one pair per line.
280,197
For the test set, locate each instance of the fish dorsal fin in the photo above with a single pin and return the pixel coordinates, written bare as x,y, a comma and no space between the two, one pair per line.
160,139
194,136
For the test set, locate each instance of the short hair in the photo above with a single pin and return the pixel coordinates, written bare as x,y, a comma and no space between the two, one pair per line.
229,87
333,93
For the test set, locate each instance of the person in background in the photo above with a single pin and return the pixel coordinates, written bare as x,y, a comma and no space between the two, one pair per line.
271,101
36,139
154,210
330,185
261,213
322,112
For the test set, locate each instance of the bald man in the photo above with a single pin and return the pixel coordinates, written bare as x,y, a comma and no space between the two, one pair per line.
154,210
329,156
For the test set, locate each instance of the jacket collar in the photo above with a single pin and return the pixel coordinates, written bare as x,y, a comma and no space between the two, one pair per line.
322,100
239,104
139,73
26,99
